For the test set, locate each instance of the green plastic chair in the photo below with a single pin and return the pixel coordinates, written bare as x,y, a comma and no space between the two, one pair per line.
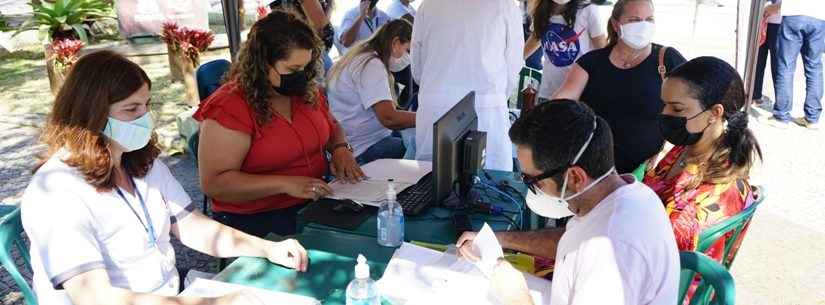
736,226
639,172
526,73
713,276
11,231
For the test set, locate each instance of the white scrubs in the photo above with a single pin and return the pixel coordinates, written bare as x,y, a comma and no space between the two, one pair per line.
460,46
74,229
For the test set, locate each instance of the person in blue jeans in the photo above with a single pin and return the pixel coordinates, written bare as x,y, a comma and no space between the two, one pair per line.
802,32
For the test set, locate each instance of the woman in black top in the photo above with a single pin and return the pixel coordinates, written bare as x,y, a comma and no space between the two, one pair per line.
622,83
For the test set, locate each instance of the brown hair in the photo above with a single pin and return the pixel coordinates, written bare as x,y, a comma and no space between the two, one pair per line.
270,40
380,44
713,81
543,10
618,11
80,113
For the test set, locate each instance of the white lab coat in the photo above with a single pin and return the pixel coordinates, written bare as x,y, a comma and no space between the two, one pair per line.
460,46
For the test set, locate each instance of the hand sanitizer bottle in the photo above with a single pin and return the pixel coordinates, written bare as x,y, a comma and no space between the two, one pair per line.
390,220
362,290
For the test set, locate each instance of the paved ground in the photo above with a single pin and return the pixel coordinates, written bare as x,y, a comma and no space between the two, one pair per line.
782,260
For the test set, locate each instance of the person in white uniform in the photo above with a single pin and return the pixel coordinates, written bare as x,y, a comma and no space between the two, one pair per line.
100,210
617,249
564,30
460,46
398,9
361,93
359,23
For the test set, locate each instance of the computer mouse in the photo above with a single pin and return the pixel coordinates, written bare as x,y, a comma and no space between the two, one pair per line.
347,205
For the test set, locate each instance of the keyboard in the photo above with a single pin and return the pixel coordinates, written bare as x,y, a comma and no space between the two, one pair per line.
415,198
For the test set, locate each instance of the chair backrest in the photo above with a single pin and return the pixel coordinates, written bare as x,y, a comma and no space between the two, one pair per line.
713,275
11,230
734,228
209,77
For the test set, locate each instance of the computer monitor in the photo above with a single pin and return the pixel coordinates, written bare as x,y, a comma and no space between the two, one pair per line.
448,134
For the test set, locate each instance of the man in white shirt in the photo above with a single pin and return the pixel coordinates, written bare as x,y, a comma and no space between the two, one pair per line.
460,46
398,9
802,32
619,246
359,23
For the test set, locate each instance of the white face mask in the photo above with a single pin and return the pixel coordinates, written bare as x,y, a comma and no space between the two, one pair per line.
132,135
557,207
398,64
637,35
561,2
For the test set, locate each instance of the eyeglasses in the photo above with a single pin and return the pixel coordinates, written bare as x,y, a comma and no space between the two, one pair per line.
531,181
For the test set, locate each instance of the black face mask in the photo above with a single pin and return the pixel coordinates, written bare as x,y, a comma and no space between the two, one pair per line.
293,84
674,129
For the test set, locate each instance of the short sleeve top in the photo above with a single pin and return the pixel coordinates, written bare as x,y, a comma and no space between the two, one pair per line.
630,101
278,147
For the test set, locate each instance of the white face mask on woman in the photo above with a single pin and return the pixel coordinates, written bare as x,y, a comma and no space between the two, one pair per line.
398,64
637,35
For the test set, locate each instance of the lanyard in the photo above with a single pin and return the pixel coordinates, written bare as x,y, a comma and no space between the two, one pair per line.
369,25
150,230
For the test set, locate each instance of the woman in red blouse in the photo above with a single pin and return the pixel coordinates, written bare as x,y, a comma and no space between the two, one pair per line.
703,180
265,132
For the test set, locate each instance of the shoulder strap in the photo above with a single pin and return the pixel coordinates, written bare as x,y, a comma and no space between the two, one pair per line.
662,67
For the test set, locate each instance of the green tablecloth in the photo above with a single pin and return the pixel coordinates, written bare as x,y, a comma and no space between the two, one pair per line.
331,262
435,225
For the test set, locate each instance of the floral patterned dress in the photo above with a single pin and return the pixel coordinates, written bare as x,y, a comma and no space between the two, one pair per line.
692,210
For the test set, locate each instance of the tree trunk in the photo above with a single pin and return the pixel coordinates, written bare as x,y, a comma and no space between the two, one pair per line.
55,74
188,66
175,56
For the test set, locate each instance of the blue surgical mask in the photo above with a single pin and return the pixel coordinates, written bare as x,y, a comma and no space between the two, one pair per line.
132,135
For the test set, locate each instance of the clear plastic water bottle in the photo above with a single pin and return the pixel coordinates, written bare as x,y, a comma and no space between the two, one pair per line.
362,290
390,220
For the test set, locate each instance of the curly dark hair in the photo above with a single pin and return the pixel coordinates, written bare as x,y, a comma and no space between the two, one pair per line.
270,40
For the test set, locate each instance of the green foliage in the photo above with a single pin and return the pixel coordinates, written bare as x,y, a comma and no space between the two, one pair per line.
4,26
66,18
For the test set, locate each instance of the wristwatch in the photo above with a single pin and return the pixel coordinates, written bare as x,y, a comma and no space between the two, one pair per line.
339,145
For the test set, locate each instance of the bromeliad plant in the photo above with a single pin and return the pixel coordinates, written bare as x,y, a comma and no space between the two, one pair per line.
66,19
189,42
64,52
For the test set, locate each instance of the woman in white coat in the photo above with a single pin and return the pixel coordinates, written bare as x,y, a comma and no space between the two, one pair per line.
460,46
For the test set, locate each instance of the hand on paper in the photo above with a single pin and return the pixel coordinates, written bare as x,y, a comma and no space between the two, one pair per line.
306,187
345,167
509,285
465,246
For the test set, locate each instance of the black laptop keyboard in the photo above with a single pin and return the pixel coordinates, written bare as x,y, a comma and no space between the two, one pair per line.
415,198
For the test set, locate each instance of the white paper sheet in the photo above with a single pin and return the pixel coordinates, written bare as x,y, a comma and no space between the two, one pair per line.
372,191
417,275
488,249
210,288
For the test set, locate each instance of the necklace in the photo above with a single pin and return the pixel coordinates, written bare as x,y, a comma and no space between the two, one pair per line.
630,61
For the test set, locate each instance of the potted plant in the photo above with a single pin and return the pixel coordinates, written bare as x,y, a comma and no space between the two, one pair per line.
63,20
66,19
63,54
184,46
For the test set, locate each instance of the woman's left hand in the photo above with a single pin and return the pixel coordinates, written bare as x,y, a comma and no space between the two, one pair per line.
345,167
288,253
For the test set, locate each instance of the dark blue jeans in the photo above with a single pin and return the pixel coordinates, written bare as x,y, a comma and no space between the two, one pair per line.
390,147
806,36
769,47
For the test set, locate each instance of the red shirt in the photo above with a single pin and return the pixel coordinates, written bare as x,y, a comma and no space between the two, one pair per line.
277,148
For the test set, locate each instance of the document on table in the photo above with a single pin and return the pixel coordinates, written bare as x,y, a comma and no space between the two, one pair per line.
417,275
210,289
373,189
